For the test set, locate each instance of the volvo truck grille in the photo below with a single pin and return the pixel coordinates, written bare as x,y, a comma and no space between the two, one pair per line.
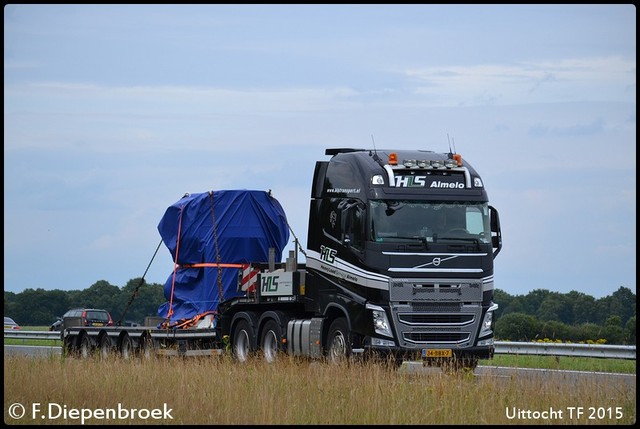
443,314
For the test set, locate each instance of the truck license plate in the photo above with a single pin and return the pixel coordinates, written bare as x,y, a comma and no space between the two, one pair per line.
437,353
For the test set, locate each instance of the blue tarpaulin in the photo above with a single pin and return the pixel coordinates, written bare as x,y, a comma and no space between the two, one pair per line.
247,224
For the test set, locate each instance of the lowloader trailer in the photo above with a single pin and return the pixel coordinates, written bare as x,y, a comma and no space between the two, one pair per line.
399,265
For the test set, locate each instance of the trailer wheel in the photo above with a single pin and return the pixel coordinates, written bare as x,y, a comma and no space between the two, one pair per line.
68,348
146,347
126,347
339,341
271,340
243,340
84,346
105,346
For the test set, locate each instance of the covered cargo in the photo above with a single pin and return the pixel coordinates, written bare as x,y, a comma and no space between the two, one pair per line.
209,235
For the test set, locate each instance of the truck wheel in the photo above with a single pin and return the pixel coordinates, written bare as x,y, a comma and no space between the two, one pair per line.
243,340
126,347
68,348
106,347
84,346
271,340
339,341
146,347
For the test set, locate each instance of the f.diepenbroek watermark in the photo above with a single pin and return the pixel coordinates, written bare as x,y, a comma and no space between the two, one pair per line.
61,412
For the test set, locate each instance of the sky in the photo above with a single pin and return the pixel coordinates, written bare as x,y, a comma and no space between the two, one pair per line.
113,112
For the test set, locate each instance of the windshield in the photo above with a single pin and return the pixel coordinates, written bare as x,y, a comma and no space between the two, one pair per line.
399,220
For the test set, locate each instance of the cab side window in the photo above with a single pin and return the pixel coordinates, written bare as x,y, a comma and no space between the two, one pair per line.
358,216
344,220
354,225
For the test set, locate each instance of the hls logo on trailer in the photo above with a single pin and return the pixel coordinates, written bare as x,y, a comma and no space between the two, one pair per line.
276,283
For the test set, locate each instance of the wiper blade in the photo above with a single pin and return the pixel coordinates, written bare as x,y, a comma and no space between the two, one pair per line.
467,239
420,238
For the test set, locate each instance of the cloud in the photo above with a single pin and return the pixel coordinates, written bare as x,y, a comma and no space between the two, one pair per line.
582,79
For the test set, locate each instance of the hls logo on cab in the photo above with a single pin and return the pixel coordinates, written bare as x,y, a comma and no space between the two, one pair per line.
410,181
328,254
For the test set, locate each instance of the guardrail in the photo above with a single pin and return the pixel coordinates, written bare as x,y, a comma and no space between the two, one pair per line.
567,349
502,347
32,335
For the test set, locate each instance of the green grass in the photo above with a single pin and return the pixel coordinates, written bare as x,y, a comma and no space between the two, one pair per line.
623,366
19,342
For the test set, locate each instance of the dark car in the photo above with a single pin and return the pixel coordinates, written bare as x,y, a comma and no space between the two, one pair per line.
89,316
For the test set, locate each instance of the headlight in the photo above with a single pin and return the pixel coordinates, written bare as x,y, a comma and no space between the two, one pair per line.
380,322
485,329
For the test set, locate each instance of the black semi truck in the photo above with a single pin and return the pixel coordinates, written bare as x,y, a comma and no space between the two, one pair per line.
399,265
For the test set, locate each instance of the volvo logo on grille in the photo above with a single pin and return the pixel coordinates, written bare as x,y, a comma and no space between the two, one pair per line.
436,261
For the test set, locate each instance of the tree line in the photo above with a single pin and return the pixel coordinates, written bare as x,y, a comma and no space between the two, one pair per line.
574,316
131,303
541,314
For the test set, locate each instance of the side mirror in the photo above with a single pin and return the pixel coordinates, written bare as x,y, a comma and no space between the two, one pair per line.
496,234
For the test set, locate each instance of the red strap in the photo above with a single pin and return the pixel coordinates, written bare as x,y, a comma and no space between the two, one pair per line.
210,265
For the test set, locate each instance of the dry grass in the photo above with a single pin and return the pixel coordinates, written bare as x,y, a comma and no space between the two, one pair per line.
216,390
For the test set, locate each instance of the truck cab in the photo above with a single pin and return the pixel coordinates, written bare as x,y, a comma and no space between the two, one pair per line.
400,248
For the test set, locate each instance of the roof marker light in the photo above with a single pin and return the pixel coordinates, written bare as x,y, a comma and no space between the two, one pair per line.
393,158
409,163
450,163
436,164
422,163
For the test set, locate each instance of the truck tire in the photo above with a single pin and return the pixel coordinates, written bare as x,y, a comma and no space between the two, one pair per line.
68,347
147,347
105,346
84,346
243,340
271,340
339,341
126,346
